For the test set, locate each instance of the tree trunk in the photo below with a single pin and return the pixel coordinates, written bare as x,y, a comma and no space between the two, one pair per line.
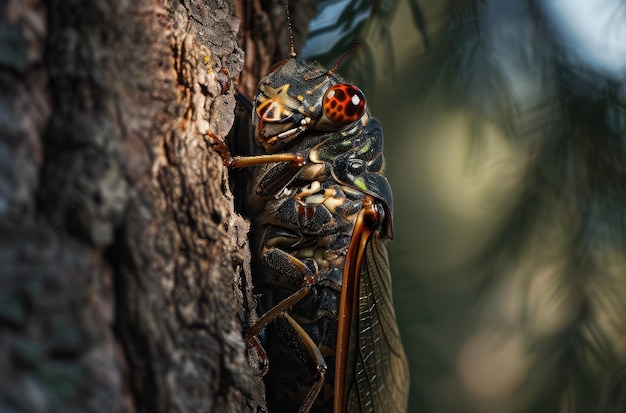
125,272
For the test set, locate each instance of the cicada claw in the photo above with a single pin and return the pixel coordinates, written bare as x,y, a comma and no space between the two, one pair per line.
264,364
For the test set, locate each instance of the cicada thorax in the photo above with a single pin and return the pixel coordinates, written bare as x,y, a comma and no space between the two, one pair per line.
304,218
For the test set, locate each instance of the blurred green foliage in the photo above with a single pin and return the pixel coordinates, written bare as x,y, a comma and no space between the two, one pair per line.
506,150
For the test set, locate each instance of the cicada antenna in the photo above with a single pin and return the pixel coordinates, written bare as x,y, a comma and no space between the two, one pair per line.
292,49
341,59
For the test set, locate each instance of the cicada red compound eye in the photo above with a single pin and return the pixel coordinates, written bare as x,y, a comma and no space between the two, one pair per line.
343,104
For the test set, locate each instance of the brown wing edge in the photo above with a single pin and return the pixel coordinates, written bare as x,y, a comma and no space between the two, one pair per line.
371,369
348,303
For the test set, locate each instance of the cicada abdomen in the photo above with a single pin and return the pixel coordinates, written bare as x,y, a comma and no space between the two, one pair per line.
322,211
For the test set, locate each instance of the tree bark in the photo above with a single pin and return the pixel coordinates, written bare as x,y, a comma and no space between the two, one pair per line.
125,272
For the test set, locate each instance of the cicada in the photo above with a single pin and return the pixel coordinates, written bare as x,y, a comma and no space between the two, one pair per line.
321,214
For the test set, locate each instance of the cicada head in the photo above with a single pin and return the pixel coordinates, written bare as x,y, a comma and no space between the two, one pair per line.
298,97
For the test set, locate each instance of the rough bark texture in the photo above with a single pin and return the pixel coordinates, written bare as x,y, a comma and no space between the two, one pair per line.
124,279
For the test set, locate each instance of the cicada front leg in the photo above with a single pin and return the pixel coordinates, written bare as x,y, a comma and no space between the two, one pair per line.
295,159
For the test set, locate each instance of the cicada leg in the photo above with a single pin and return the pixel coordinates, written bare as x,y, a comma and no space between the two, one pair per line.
296,159
287,166
280,308
316,357
314,354
319,365
293,267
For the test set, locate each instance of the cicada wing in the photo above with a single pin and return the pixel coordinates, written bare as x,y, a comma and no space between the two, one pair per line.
379,378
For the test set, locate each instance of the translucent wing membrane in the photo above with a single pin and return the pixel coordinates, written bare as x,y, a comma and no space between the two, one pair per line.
380,374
